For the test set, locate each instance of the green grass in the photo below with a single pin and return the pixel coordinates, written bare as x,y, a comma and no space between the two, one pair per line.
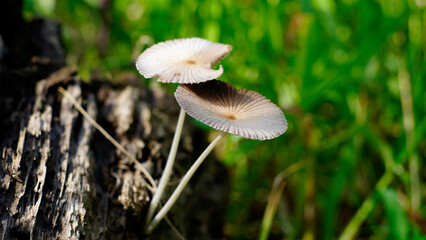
349,75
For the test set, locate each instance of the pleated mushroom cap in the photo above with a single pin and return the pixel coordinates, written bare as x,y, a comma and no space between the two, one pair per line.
244,113
187,60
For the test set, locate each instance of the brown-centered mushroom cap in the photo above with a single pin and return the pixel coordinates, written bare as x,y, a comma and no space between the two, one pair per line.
187,60
240,112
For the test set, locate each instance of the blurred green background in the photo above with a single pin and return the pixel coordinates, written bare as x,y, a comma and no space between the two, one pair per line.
349,76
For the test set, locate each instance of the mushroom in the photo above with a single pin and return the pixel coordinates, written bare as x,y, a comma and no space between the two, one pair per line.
187,61
223,107
240,112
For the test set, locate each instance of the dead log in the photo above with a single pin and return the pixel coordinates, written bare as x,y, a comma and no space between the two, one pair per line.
61,179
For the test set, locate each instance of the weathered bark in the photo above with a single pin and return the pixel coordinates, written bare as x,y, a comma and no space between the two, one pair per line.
60,178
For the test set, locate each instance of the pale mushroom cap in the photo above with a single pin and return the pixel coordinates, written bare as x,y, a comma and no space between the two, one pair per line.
244,113
187,60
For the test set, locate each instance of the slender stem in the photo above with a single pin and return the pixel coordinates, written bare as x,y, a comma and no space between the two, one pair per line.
83,112
168,168
166,208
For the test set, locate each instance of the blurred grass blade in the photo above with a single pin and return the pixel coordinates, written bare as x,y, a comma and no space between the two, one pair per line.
275,197
408,121
396,218
340,180
271,208
367,206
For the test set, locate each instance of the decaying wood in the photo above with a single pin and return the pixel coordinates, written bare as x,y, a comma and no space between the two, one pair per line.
61,179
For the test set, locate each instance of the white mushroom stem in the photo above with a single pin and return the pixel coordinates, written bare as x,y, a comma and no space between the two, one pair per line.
175,195
168,168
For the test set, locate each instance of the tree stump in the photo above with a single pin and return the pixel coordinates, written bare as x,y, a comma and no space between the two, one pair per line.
60,178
